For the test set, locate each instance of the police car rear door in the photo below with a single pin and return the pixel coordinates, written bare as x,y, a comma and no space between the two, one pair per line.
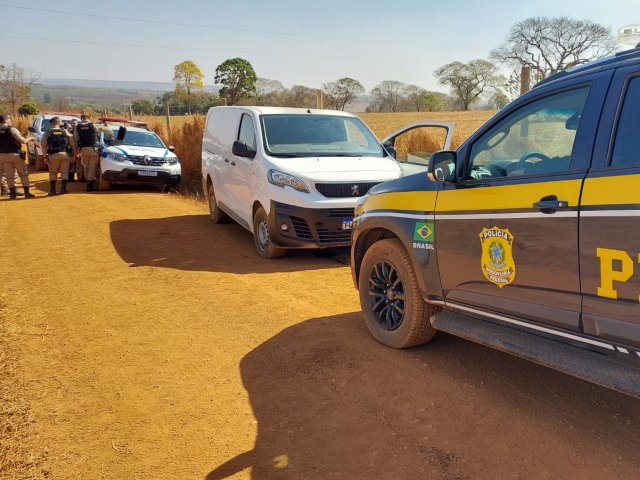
610,219
507,235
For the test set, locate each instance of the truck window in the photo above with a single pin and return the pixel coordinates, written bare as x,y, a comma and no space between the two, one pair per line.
247,133
535,139
626,147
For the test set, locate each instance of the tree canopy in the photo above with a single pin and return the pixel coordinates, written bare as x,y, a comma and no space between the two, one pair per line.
549,45
468,81
238,79
341,92
188,78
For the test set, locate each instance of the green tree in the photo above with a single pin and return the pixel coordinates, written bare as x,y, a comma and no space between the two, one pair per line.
28,108
432,102
188,78
468,81
549,45
142,107
341,92
238,79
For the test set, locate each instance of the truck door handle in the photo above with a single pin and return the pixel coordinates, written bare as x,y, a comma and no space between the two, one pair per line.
550,204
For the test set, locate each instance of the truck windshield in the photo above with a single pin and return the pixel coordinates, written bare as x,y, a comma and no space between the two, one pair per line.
308,135
139,139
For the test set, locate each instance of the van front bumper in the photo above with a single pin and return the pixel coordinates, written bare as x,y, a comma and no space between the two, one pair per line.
298,227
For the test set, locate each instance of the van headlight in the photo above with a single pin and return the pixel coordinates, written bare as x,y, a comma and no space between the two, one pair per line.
282,180
118,157
173,160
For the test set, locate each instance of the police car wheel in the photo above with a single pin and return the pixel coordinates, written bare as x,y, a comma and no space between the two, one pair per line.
394,311
216,214
262,237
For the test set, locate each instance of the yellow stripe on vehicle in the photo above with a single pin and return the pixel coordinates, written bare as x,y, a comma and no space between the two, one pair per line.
508,197
613,190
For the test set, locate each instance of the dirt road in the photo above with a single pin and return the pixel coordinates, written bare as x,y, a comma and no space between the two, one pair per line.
155,345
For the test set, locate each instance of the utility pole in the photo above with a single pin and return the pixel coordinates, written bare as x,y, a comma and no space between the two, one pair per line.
319,99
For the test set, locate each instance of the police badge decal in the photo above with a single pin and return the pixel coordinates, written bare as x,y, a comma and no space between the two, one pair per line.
497,261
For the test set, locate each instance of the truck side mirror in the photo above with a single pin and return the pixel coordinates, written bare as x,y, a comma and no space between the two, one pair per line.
240,149
442,166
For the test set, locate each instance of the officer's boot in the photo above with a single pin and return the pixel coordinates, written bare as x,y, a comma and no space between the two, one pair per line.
63,189
27,194
52,188
72,176
90,186
12,194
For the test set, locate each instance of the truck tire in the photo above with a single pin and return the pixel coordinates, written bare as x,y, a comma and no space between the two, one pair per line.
215,212
262,238
394,311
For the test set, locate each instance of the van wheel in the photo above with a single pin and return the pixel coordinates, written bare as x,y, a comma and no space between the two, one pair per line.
394,311
215,212
262,237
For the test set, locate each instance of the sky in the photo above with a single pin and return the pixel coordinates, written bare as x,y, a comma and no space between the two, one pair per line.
293,41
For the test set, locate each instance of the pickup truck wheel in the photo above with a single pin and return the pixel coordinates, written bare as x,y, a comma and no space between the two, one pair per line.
394,311
262,237
216,214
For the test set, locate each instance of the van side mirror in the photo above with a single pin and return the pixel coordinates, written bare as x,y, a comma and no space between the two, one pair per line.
391,150
122,132
240,149
171,148
442,166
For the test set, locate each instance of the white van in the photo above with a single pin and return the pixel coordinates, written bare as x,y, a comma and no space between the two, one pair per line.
292,176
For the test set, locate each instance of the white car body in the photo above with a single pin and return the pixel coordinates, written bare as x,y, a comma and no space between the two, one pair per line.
132,163
316,218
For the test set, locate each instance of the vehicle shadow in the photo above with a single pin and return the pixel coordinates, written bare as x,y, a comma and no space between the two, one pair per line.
80,187
192,242
330,402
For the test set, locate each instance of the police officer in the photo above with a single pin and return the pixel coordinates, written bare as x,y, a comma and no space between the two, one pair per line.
55,143
86,139
11,156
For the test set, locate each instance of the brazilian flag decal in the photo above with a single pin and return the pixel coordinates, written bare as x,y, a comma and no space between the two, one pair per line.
423,232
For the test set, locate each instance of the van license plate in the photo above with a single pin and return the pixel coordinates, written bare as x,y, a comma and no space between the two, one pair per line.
147,173
347,223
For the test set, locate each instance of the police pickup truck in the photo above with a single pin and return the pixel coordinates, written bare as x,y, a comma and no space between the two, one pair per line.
527,238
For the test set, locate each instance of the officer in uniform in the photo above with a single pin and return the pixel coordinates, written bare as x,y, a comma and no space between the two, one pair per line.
86,139
12,157
55,143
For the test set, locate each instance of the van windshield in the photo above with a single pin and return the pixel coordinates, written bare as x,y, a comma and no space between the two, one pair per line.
308,135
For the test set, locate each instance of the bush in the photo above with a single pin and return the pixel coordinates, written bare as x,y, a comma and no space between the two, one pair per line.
29,108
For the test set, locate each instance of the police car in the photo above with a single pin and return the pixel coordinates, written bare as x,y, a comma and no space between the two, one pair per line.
136,156
527,238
